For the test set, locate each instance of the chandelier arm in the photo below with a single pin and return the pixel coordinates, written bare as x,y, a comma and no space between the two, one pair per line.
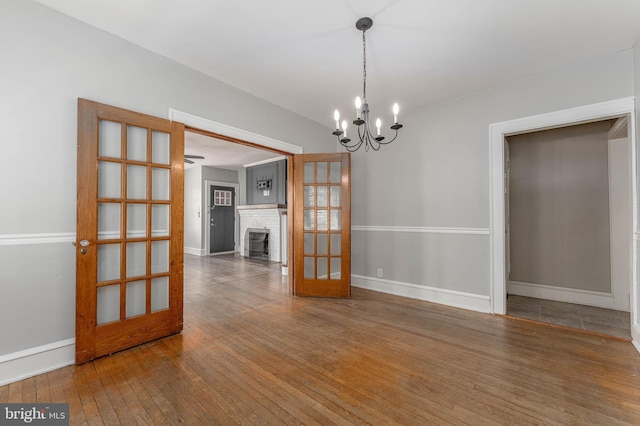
351,148
388,142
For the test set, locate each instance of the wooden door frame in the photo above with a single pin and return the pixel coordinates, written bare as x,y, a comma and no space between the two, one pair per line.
231,134
236,228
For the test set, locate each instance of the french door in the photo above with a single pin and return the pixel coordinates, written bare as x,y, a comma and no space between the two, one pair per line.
322,225
129,260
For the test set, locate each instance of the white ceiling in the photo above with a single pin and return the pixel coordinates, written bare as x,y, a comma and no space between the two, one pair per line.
306,56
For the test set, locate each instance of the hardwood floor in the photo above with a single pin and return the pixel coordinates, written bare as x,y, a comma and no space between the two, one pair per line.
250,353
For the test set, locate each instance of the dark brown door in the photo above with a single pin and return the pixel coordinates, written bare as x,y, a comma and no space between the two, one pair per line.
129,261
322,225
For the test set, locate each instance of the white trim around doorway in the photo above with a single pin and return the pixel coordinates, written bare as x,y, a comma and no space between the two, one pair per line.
498,132
202,123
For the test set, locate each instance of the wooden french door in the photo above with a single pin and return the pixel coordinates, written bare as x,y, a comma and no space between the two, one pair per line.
129,260
322,225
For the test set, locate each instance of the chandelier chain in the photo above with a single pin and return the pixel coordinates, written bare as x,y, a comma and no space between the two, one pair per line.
364,64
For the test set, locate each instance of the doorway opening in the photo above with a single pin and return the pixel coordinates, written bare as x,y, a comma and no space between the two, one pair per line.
568,215
580,115
262,150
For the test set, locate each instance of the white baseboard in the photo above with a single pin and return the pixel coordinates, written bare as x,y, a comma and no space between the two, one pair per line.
562,294
453,298
195,251
31,362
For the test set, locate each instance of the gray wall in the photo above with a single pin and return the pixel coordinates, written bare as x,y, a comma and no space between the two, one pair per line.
435,177
48,61
277,173
559,207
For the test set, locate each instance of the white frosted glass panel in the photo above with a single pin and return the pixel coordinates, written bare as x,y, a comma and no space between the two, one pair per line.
136,259
335,196
309,173
309,223
323,268
309,267
322,220
136,220
336,220
159,184
108,304
322,196
136,182
159,294
108,262
309,243
323,244
108,221
159,220
322,172
109,139
334,172
136,143
159,257
160,147
336,245
309,196
136,298
109,180
336,265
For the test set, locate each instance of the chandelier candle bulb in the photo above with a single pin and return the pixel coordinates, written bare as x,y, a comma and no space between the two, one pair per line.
358,105
396,110
336,116
378,125
344,127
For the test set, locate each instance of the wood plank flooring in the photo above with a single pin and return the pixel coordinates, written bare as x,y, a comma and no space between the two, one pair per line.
252,354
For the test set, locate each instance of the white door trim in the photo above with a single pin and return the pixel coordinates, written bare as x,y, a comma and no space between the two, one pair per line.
207,217
497,134
202,123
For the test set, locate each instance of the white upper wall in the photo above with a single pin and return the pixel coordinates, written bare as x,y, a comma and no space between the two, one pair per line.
48,61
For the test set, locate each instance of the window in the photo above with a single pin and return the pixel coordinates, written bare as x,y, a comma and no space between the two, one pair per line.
222,198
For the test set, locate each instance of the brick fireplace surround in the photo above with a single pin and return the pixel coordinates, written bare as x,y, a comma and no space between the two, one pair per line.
267,216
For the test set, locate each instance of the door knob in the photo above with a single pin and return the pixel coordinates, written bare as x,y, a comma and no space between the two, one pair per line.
84,244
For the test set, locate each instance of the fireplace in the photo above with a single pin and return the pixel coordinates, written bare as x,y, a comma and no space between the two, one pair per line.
261,218
256,243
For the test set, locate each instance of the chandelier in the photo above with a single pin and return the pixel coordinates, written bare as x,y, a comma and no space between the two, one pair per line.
365,135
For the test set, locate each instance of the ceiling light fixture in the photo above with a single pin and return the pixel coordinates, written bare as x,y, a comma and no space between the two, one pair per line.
365,136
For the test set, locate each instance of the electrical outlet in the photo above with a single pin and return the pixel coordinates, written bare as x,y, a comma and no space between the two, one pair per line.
379,272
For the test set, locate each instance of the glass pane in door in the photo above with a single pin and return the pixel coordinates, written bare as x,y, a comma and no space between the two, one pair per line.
109,180
159,294
159,220
136,182
136,220
136,259
160,147
108,221
108,262
109,139
136,298
108,304
136,143
159,184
